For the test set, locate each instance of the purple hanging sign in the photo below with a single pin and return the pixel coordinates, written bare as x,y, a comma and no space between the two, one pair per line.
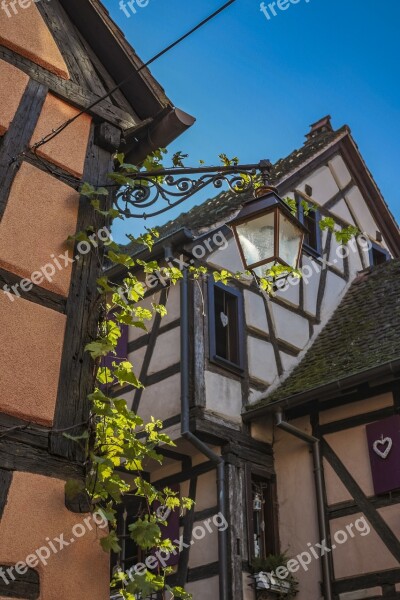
384,452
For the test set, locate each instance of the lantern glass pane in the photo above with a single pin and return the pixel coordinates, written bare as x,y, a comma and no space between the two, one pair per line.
256,238
290,238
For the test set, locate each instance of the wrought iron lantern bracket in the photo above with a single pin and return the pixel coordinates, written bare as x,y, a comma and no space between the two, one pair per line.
174,186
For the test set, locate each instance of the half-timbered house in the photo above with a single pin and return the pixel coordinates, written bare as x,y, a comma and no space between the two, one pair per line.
57,59
270,399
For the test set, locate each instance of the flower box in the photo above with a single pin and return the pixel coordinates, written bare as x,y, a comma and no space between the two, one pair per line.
276,587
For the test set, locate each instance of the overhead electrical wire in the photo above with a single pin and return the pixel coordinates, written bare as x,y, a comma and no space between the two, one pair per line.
54,133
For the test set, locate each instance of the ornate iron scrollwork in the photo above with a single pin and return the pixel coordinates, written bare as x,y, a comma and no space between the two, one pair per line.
174,186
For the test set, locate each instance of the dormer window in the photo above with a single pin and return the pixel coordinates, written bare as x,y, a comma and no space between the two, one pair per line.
226,326
378,255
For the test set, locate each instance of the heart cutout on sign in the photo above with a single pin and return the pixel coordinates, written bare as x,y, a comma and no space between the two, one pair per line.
383,447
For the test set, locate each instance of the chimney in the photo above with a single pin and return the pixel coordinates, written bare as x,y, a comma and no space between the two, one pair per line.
321,126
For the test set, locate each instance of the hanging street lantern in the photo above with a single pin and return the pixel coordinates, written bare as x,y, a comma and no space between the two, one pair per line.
266,231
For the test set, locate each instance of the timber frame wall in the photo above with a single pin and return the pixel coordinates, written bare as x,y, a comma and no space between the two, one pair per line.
49,72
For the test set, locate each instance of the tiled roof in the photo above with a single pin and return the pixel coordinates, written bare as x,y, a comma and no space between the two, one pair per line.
362,334
219,208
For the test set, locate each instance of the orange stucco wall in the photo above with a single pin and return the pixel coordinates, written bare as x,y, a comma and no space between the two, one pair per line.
26,33
31,338
11,79
35,511
41,213
68,150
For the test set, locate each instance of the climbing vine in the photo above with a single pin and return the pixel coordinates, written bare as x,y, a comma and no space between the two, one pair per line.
118,444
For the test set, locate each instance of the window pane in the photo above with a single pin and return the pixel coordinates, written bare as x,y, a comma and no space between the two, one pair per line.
311,238
289,241
226,325
257,238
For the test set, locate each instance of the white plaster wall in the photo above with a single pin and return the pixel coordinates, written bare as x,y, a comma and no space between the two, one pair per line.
203,551
288,361
167,351
255,311
207,589
173,305
336,254
290,327
343,176
355,264
137,332
206,494
323,185
136,359
227,258
334,290
311,285
224,395
161,400
359,208
261,357
342,211
289,291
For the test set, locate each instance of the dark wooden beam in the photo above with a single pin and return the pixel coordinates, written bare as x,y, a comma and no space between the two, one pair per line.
344,509
19,586
18,137
323,276
365,506
203,572
71,92
53,170
161,375
358,420
37,294
333,400
185,475
16,456
5,483
66,36
143,340
20,430
369,580
76,379
188,522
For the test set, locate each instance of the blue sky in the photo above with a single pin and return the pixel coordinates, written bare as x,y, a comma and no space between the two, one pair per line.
255,84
